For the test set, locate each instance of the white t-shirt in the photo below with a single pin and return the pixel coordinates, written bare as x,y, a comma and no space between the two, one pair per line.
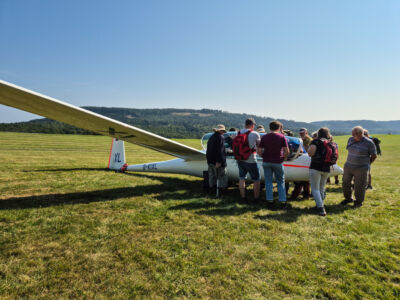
254,140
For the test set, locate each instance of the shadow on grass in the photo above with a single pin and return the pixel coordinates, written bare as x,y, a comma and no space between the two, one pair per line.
293,213
228,206
166,188
333,189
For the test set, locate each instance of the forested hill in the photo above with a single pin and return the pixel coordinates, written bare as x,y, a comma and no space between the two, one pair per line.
189,123
170,123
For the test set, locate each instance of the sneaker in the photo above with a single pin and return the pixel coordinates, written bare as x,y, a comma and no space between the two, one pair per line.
357,204
219,193
211,192
269,204
347,201
321,211
284,205
369,187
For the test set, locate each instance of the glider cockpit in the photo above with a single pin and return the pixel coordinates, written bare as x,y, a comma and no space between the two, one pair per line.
295,145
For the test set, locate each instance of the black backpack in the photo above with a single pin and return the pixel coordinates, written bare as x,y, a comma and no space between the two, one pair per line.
377,145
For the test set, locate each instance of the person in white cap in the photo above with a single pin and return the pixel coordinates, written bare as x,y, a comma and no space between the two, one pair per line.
305,137
217,177
260,129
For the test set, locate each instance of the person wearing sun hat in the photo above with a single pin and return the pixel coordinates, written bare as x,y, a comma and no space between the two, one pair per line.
216,161
260,129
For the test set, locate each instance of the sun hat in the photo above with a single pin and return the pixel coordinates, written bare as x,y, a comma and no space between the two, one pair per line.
220,127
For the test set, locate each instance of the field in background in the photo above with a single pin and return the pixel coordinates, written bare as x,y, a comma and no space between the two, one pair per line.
70,228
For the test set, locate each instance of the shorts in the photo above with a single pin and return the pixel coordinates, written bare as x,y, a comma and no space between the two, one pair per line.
251,168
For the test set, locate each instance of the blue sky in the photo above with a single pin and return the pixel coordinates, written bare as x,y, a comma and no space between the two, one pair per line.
298,60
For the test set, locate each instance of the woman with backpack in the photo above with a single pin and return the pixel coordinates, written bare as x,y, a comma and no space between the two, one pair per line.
323,154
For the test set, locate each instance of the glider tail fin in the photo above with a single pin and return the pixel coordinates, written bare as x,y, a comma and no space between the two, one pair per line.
117,160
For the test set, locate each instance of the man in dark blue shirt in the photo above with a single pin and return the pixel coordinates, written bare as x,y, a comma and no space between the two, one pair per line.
216,161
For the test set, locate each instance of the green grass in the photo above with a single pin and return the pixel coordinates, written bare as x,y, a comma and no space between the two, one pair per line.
69,228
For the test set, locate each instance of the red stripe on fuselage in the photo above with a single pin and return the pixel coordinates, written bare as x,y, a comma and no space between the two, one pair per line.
296,166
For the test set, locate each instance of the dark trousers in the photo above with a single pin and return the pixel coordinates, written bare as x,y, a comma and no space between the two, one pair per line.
298,187
360,176
217,177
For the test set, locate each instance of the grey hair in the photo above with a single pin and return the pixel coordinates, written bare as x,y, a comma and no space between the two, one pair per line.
358,129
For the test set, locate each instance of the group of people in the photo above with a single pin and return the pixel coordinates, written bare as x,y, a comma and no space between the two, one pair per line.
274,149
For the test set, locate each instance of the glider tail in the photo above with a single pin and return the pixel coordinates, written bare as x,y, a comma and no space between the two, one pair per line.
117,160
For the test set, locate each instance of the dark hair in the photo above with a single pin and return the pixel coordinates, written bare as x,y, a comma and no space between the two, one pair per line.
288,132
233,129
250,122
275,125
323,133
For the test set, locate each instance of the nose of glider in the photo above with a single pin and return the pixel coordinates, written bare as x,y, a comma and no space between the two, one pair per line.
336,170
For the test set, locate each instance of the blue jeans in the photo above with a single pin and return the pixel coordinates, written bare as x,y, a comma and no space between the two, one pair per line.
318,182
271,169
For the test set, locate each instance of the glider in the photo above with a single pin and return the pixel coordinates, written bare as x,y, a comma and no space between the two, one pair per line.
187,160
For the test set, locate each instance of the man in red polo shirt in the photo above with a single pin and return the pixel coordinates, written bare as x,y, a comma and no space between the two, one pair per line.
274,149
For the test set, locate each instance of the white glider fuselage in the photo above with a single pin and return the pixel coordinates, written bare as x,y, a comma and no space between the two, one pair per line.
296,170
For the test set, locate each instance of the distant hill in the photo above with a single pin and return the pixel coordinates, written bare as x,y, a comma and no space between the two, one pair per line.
170,123
191,123
385,127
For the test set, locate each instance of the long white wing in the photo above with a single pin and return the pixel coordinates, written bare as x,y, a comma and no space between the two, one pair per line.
30,101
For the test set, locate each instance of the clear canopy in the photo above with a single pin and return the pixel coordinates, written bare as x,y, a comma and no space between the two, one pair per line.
228,137
295,144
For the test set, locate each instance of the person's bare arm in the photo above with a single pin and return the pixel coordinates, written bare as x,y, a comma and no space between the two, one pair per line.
373,157
285,152
311,150
260,151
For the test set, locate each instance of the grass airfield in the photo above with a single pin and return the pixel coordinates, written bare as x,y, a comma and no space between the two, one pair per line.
69,228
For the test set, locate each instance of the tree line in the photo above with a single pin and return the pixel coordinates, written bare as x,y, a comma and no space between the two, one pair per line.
185,123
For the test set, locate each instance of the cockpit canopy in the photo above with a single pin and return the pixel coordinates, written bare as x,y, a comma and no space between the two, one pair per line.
295,144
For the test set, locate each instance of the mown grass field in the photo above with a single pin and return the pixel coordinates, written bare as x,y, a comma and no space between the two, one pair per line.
71,229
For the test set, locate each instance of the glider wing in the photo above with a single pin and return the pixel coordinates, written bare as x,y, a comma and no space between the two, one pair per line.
18,97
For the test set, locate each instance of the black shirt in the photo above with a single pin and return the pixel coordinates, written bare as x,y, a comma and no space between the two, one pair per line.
216,149
317,160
